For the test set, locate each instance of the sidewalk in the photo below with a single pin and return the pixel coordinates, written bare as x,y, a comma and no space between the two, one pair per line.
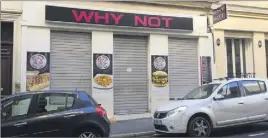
132,127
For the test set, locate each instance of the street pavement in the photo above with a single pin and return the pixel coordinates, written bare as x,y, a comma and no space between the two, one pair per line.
259,130
132,126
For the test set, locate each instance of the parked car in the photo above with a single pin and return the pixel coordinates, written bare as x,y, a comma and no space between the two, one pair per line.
53,114
215,105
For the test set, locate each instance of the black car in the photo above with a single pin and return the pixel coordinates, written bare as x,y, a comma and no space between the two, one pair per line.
53,114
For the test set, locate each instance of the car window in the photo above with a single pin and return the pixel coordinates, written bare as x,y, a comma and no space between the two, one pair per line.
201,92
263,86
253,87
230,90
17,106
54,102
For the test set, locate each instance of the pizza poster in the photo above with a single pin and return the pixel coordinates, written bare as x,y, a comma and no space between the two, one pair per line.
37,72
159,72
102,71
206,73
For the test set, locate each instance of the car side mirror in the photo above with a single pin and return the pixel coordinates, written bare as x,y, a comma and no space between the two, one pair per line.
218,97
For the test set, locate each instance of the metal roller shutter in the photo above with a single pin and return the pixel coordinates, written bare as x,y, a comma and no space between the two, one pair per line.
183,66
130,75
70,61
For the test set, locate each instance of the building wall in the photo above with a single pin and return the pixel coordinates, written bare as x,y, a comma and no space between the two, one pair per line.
11,6
10,10
35,36
250,20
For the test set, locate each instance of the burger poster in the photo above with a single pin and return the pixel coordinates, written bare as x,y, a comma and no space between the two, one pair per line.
102,71
38,73
159,72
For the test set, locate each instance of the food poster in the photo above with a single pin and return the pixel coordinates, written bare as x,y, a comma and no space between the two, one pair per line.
38,73
159,73
102,71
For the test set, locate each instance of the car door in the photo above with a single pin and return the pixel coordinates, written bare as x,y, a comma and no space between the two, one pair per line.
256,99
52,115
231,109
15,113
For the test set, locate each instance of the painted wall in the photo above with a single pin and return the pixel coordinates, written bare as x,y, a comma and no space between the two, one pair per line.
220,54
11,5
32,39
259,55
105,98
243,24
16,56
263,4
158,45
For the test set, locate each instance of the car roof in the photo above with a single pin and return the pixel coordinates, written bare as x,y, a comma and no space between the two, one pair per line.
235,79
44,91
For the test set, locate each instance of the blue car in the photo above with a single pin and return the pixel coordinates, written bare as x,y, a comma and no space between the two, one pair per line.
53,114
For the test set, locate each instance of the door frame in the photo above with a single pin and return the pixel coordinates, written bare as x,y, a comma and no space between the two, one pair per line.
10,46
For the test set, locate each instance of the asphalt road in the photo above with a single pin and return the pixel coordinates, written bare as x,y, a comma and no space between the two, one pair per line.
254,130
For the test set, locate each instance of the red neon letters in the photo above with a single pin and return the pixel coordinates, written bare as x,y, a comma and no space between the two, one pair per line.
107,17
152,21
89,16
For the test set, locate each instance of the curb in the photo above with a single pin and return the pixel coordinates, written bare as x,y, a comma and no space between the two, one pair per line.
133,134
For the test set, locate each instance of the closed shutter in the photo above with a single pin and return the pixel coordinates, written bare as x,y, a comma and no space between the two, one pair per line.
70,61
130,75
183,66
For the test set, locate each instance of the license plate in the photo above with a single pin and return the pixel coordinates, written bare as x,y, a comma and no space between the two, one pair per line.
158,122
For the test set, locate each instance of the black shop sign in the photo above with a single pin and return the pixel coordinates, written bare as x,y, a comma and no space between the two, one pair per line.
64,14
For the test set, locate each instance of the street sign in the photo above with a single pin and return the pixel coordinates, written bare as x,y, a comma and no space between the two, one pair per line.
220,14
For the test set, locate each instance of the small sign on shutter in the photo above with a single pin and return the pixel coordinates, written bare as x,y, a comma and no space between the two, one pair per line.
206,74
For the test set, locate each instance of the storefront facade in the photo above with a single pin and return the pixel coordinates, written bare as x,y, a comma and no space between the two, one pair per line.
241,41
129,61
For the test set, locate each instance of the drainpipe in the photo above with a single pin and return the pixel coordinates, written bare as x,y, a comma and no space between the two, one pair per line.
212,33
0,50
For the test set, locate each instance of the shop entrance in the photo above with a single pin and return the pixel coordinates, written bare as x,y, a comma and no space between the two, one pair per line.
130,74
70,61
183,66
6,57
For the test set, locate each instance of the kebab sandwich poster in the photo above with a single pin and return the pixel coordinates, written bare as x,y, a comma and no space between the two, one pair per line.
159,73
38,73
102,71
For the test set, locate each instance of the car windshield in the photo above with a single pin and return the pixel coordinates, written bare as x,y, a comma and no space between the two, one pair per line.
201,92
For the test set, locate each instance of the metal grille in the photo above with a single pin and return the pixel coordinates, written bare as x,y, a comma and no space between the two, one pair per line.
183,66
70,61
160,115
130,75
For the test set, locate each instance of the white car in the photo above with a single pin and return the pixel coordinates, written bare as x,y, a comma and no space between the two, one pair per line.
218,104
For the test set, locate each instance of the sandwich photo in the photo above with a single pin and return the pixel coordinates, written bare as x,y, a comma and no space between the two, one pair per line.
160,79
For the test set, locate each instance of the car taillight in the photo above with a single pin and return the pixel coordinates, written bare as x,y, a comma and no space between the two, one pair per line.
100,111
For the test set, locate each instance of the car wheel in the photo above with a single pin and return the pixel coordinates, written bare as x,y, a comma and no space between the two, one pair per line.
199,127
88,133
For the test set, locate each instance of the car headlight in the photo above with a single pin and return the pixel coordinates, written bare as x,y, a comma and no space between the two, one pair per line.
176,110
